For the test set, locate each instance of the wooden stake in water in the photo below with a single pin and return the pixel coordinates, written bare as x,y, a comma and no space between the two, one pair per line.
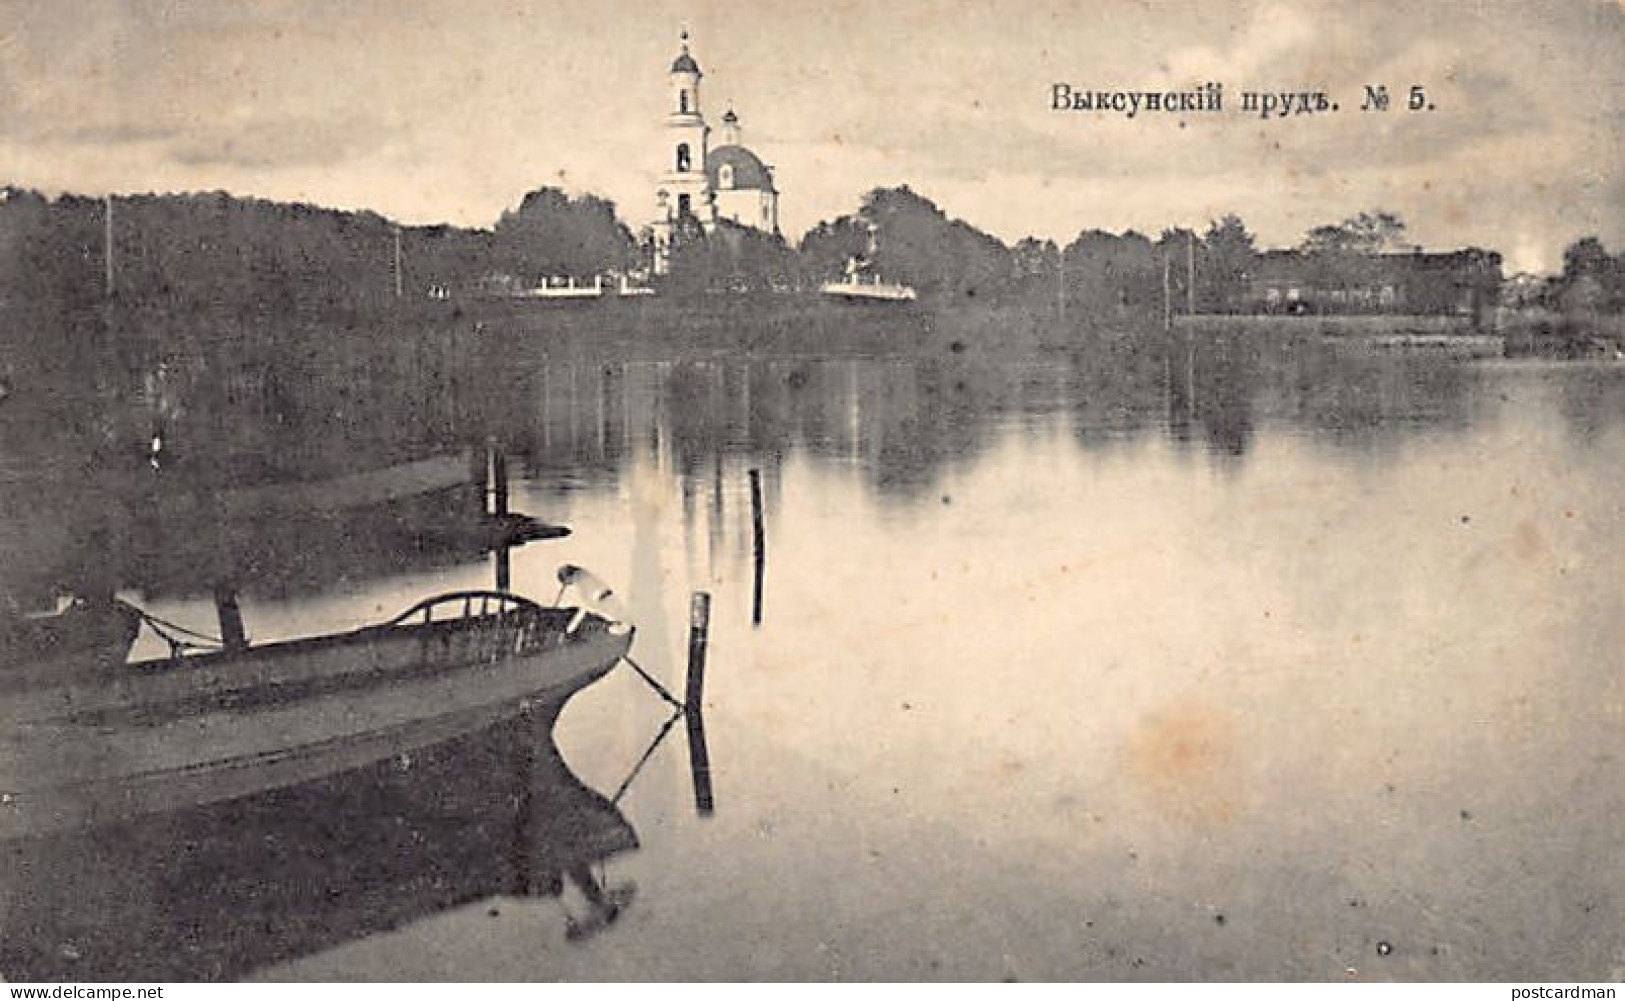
699,756
497,519
759,534
699,764
499,481
699,629
504,567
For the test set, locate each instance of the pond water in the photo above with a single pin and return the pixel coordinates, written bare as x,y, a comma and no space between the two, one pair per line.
1065,672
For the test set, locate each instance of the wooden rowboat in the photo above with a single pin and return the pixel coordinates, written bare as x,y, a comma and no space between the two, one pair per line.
84,742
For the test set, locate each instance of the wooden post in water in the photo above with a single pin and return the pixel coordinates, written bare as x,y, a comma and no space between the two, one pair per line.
504,568
495,516
499,481
699,630
232,634
759,535
699,756
699,763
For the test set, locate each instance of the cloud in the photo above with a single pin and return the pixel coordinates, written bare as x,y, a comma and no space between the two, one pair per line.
1272,33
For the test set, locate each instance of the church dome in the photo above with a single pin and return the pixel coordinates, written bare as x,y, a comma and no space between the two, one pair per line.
685,63
748,171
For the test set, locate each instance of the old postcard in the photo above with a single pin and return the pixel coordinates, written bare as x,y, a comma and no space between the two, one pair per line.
503,491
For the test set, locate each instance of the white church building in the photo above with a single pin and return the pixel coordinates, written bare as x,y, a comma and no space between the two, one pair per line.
701,182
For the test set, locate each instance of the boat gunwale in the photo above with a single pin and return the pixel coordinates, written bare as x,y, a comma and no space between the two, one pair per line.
102,688
160,665
265,694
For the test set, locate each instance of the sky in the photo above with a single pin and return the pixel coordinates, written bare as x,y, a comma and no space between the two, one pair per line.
450,110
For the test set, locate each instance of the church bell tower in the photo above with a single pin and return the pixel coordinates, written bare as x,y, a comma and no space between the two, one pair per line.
685,191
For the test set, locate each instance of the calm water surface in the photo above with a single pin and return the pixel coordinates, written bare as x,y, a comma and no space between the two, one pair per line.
1201,675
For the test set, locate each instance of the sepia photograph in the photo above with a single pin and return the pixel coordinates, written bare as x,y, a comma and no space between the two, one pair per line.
689,491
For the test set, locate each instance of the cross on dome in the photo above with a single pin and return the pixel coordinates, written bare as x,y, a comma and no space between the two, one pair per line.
684,63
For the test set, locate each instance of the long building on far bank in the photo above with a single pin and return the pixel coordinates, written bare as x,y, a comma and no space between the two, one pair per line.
1458,283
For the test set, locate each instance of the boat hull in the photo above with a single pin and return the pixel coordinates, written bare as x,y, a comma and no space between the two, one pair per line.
365,488
102,744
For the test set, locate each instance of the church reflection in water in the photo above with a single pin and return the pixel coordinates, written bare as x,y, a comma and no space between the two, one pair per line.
219,891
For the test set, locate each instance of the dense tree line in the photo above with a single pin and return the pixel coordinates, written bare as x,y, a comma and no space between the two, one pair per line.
1593,281
1368,233
273,257
553,235
264,259
896,235
916,243
903,236
731,258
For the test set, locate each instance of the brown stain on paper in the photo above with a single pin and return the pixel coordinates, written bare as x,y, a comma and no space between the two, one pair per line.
1528,544
1186,758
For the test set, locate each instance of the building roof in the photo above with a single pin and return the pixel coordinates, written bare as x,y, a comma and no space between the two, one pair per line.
748,169
684,63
